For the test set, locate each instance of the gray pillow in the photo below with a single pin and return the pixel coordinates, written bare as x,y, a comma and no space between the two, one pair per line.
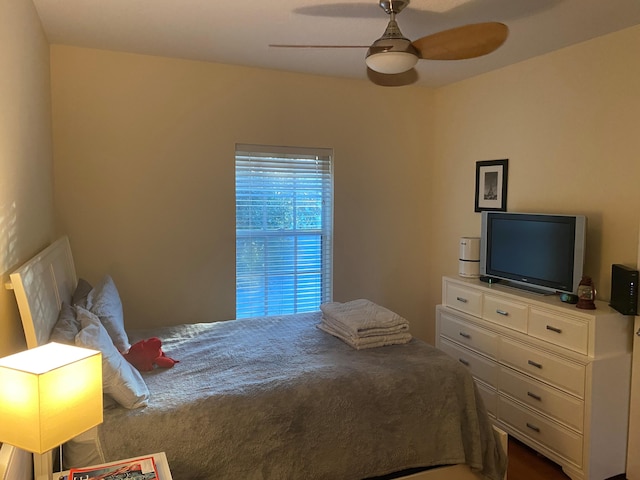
81,293
104,301
120,380
67,326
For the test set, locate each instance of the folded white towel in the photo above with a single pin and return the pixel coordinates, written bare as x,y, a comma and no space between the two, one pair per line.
364,333
366,342
362,317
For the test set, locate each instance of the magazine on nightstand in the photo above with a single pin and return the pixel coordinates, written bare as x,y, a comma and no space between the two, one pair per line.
142,468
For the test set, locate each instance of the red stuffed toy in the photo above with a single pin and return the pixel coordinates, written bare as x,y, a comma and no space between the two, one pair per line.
146,354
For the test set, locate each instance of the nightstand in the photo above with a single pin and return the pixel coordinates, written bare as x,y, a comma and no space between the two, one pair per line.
162,465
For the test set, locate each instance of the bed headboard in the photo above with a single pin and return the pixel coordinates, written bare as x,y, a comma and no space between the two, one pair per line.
40,286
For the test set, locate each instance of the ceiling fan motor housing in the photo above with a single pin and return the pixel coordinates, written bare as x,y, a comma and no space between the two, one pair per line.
393,6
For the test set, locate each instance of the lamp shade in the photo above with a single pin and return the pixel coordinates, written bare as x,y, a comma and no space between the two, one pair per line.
48,395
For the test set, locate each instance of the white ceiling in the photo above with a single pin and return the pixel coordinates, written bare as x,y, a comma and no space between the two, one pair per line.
240,31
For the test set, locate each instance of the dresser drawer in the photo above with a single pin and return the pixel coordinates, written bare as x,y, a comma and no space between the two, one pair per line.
562,441
481,367
566,375
464,299
489,397
562,407
564,331
509,314
474,337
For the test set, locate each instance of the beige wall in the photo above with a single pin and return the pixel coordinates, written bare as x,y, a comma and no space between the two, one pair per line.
568,123
144,172
26,182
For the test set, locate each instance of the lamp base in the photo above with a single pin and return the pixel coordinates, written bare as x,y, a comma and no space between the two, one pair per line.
43,466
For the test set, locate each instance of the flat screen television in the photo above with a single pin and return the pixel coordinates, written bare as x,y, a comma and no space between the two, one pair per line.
543,253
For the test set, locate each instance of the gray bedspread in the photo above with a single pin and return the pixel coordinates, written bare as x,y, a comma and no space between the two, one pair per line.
277,398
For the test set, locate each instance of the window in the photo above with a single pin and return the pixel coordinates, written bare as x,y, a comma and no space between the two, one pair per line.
283,229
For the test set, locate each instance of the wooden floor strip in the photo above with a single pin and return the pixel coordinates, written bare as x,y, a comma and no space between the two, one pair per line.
527,464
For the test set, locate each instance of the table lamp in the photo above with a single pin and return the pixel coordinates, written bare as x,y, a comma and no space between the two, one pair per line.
48,395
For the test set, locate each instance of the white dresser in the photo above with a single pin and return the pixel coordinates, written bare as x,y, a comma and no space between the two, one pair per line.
553,376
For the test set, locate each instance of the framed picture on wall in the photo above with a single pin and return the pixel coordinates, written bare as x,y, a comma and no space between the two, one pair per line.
491,185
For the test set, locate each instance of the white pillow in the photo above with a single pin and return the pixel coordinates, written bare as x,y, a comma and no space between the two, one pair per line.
120,379
104,301
83,450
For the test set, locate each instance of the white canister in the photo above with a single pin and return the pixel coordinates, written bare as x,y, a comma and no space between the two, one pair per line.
469,264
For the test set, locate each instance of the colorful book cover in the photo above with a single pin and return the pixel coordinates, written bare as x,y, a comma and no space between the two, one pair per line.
137,469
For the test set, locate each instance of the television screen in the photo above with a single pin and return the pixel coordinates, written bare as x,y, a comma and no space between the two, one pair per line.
535,251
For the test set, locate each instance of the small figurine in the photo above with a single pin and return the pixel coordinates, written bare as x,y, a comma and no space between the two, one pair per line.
586,294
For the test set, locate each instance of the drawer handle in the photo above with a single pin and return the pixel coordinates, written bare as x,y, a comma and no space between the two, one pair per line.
502,312
463,361
534,364
554,329
465,335
534,396
533,427
461,299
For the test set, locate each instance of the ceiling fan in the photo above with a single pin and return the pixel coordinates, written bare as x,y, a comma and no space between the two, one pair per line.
394,54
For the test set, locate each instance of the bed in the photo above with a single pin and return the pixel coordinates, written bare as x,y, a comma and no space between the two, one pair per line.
275,398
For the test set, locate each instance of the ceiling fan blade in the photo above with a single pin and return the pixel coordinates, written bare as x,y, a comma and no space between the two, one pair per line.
395,80
281,45
464,42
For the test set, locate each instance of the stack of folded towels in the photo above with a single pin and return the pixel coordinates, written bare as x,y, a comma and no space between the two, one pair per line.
363,324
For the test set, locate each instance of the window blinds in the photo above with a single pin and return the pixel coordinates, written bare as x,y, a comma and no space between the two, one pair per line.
283,229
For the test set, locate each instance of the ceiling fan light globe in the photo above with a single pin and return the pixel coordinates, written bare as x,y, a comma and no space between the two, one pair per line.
391,63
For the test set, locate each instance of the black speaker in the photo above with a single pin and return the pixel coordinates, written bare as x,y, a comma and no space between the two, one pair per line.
624,289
